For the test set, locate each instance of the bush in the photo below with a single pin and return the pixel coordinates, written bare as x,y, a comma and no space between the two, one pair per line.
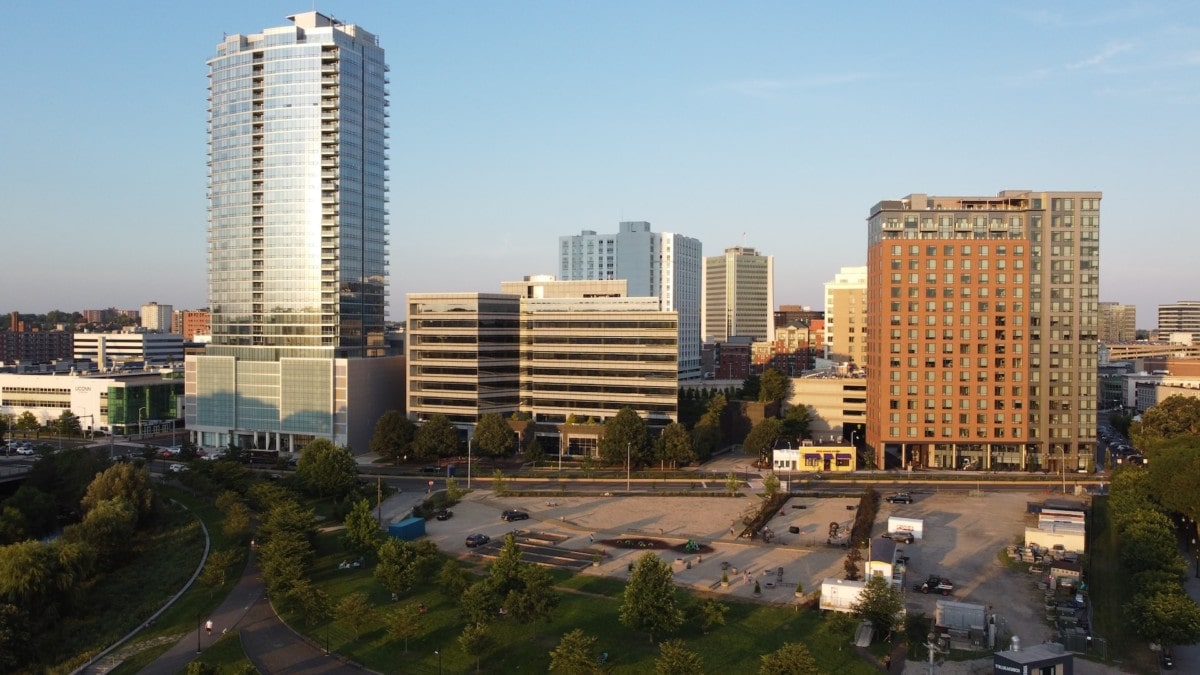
864,519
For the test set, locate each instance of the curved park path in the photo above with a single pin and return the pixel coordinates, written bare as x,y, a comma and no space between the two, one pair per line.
268,642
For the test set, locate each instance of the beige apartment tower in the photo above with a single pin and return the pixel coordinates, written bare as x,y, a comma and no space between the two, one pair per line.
846,316
982,331
1118,323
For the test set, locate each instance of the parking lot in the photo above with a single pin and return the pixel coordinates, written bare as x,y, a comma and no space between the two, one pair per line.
963,535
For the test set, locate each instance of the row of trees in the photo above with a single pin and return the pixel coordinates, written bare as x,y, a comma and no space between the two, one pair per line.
66,424
44,583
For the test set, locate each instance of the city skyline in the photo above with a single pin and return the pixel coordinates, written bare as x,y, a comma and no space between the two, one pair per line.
776,128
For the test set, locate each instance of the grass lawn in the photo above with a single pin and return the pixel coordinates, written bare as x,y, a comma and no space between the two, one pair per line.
751,629
1109,592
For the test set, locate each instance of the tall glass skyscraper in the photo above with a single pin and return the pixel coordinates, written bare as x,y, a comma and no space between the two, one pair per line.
297,241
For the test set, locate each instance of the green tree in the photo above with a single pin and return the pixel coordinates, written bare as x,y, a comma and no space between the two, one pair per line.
15,637
774,386
535,598
362,533
393,435
797,422
625,436
674,658
475,641
751,387
452,579
1174,473
125,481
1165,618
28,422
707,436
649,602
107,530
454,492
770,485
733,484
1174,416
404,624
478,604
437,437
499,485
712,614
28,571
853,557
762,438
494,437
880,603
403,563
533,450
575,655
285,559
793,658
674,446
355,610
326,470
67,424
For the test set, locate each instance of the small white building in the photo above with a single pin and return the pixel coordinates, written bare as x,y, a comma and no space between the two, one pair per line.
839,595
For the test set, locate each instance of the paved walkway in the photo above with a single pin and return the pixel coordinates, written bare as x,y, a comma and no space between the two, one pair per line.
269,643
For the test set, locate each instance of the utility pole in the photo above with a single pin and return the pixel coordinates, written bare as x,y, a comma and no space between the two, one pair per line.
379,498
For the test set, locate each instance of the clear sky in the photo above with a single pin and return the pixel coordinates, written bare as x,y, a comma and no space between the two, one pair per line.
775,125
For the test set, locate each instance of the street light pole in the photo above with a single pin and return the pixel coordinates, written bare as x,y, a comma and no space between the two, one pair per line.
469,462
628,463
198,616
1062,468
439,655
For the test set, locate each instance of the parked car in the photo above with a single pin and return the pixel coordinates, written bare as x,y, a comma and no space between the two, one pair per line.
474,540
900,498
513,514
444,514
899,537
177,468
430,469
24,450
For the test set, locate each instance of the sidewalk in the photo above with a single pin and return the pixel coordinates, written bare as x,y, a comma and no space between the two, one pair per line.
226,617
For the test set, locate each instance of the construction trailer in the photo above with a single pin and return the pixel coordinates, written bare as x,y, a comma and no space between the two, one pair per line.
914,525
839,595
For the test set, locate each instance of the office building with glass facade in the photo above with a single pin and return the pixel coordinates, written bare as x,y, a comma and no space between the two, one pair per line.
297,241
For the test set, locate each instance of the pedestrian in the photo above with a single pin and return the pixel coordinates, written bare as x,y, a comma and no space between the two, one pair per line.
591,539
887,663
208,626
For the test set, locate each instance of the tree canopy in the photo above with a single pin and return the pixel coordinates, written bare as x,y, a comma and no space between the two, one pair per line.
880,603
649,603
624,433
674,658
327,470
762,438
797,422
773,386
1172,417
362,533
793,658
437,437
674,446
575,655
393,435
494,437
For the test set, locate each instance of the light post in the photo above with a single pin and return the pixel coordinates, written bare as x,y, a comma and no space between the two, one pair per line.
628,463
439,655
469,438
198,617
147,409
934,649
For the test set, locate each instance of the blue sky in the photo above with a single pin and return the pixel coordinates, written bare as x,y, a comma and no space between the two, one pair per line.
770,124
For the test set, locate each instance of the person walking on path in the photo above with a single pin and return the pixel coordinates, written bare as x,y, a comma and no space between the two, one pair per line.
208,626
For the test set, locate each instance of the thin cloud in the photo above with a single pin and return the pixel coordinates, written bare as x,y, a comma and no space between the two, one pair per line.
1101,57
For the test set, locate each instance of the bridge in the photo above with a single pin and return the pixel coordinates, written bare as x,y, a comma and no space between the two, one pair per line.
12,474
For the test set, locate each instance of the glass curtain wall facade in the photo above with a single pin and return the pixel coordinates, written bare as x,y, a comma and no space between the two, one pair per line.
297,224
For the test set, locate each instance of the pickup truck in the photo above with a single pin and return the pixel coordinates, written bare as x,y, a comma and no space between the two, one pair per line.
935,584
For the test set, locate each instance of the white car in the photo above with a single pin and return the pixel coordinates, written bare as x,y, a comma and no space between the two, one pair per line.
24,450
176,468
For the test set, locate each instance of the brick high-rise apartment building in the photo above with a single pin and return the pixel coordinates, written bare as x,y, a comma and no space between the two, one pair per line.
982,327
